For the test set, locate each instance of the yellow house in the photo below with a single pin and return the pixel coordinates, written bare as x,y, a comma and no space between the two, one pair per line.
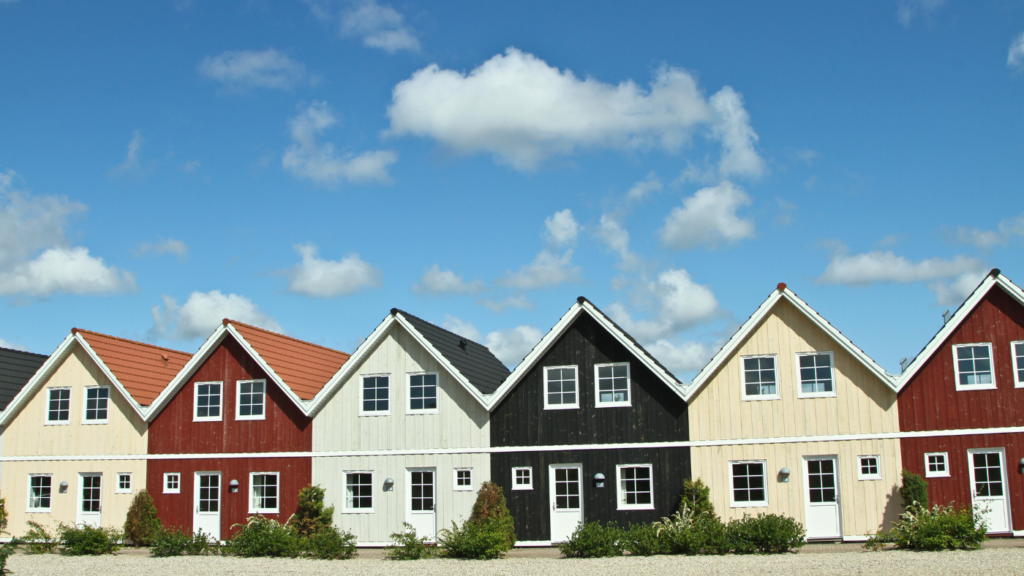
790,417
73,436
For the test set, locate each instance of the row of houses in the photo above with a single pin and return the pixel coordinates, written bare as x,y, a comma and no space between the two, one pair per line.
788,417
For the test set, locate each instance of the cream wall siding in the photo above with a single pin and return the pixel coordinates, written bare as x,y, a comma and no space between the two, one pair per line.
867,506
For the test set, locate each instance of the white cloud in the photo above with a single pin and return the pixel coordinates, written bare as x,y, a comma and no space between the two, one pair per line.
547,269
309,159
130,166
9,345
908,10
440,282
523,111
464,329
201,314
1006,231
562,228
379,26
616,238
956,291
708,217
329,278
1015,57
732,127
642,189
679,303
875,267
681,357
169,246
511,346
241,70
518,301
65,271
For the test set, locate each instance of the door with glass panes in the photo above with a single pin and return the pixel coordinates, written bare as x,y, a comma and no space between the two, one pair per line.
90,505
988,487
565,488
421,513
206,511
821,492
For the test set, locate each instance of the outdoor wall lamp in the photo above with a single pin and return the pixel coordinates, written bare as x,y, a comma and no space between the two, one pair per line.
598,480
784,475
389,484
1021,467
63,487
233,486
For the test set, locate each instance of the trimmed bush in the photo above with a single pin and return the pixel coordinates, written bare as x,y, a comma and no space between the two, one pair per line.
38,540
765,533
914,490
312,516
406,545
696,497
174,541
264,537
593,540
330,544
643,540
142,523
489,533
940,528
84,540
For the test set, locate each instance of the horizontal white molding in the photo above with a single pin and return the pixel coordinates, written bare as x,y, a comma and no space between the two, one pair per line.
532,543
507,449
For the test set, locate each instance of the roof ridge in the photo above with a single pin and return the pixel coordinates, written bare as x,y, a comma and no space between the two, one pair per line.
278,334
643,349
394,310
22,351
77,330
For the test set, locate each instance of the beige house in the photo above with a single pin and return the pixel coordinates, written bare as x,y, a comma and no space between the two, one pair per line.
73,436
790,417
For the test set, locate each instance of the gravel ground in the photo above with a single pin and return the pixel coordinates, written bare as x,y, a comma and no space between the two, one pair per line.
889,563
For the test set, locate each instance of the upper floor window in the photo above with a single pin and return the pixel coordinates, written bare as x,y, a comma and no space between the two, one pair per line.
816,376
423,393
208,400
39,486
58,409
612,385
96,399
252,400
1017,351
376,395
760,378
635,489
972,365
560,390
263,495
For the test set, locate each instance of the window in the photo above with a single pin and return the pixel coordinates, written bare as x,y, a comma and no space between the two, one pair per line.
263,495
972,365
748,484
560,391
208,401
869,468
816,375
376,395
1017,352
96,399
252,402
172,483
759,378
358,492
58,409
612,385
522,478
463,479
39,486
423,393
635,490
936,465
124,483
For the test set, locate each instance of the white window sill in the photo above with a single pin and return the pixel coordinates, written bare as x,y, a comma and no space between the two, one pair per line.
970,387
418,412
92,422
522,487
864,478
172,491
122,491
57,423
936,474
249,418
748,505
372,414
207,419
613,405
358,511
760,398
651,507
562,407
258,511
817,395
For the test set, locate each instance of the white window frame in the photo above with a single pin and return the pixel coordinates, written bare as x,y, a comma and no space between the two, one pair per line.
575,406
28,503
455,479
391,396
799,382
85,405
618,487
46,414
252,493
195,403
732,493
408,394
345,509
956,369
528,486
597,387
1017,382
117,483
238,400
945,463
757,397
172,490
878,464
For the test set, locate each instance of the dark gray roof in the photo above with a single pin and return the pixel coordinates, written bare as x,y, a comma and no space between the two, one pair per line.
16,369
483,370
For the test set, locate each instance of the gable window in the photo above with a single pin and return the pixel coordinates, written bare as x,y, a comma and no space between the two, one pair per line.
251,400
869,468
124,483
522,478
423,393
635,489
936,465
972,365
39,486
208,401
263,492
748,483
760,380
816,375
96,400
612,384
58,408
358,492
172,483
1017,351
376,395
463,478
560,390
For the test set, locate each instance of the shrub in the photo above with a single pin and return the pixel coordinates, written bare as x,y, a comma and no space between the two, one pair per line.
38,540
765,533
688,533
142,523
914,490
593,540
264,537
3,514
940,528
86,540
8,548
406,545
643,540
697,497
489,533
176,542
490,507
330,544
312,516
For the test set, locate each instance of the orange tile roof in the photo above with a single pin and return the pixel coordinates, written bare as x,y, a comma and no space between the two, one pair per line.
305,367
143,369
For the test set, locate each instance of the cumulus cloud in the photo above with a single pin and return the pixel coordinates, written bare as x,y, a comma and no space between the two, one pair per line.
511,346
439,282
681,357
886,267
562,228
379,26
1015,58
708,218
161,247
464,329
65,271
616,238
523,111
201,314
518,301
241,70
908,10
641,190
1006,231
679,303
330,278
9,345
309,159
130,166
547,269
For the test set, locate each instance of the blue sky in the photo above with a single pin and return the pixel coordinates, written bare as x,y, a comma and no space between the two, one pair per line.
307,166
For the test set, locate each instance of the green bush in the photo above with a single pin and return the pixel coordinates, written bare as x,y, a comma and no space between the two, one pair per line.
689,533
141,524
8,548
643,540
406,545
765,533
329,543
593,540
264,537
173,541
696,497
940,528
38,540
85,540
311,516
490,507
489,533
914,490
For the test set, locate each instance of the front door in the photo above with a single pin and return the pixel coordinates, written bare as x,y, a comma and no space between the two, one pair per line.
89,499
206,517
822,493
988,488
422,502
566,492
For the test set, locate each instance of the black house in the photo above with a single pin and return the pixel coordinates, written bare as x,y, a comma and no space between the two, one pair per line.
588,428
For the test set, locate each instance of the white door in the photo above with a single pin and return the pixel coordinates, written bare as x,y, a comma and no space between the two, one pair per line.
206,517
89,499
822,494
988,487
422,501
566,492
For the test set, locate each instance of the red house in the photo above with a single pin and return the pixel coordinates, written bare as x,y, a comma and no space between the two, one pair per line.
229,437
962,400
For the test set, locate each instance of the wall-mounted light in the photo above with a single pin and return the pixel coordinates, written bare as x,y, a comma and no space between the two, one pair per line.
389,484
784,475
1021,468
598,480
63,487
233,486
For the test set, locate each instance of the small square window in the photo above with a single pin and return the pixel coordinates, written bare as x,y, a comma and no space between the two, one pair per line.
208,401
358,492
172,483
936,465
760,380
96,400
560,388
39,486
749,485
252,400
463,478
869,468
423,393
635,487
124,483
263,498
816,375
972,367
612,383
376,396
58,409
522,478
1017,352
